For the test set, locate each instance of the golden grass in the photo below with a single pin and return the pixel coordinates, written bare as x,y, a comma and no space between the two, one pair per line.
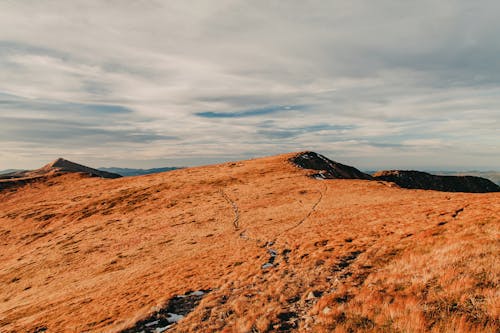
85,254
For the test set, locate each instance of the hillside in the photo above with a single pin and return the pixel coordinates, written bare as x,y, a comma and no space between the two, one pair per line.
56,168
448,183
252,246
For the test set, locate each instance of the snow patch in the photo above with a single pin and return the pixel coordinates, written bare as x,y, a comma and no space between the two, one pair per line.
173,318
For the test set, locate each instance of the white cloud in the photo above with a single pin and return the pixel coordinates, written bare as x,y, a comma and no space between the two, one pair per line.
393,74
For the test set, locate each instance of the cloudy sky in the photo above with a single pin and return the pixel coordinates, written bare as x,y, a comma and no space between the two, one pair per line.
377,84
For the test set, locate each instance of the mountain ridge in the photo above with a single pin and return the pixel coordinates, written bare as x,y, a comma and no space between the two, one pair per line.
58,166
326,169
256,245
413,179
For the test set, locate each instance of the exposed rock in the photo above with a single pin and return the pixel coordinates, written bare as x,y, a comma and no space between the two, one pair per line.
176,309
427,181
328,169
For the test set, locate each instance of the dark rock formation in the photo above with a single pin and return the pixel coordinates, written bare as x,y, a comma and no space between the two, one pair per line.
426,181
328,169
176,309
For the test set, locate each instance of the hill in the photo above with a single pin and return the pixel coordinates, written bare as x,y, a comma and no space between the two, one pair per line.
494,176
249,246
426,181
15,179
327,168
57,167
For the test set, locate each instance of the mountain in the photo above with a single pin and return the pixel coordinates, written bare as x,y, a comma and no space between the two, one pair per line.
59,166
426,181
9,171
126,172
328,169
248,246
64,166
56,168
494,176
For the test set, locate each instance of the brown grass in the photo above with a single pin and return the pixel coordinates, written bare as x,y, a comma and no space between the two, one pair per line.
84,254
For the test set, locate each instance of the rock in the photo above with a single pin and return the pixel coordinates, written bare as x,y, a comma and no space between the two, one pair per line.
162,329
173,318
272,252
328,169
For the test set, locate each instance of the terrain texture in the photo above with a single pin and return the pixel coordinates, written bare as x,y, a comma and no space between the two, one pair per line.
261,245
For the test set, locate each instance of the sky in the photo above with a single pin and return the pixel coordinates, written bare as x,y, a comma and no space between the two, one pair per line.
375,84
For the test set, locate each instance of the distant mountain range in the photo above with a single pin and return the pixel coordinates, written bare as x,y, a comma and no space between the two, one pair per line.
125,172
494,176
10,171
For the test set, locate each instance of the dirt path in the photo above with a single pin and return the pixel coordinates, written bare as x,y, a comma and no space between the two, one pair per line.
236,221
311,211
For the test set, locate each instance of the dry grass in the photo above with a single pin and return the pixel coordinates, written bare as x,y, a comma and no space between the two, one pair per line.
85,254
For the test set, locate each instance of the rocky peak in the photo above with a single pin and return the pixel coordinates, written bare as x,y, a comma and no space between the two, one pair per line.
327,168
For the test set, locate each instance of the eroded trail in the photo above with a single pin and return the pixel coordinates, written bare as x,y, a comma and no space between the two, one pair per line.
311,211
236,220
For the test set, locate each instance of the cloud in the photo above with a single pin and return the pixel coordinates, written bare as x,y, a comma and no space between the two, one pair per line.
384,82
72,134
18,104
322,130
250,113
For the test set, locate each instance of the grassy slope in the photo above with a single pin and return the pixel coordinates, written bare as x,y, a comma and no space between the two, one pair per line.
82,254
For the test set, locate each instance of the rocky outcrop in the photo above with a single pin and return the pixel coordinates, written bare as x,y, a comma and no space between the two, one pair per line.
328,169
427,181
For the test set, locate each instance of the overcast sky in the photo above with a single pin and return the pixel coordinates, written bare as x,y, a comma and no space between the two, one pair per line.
376,84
